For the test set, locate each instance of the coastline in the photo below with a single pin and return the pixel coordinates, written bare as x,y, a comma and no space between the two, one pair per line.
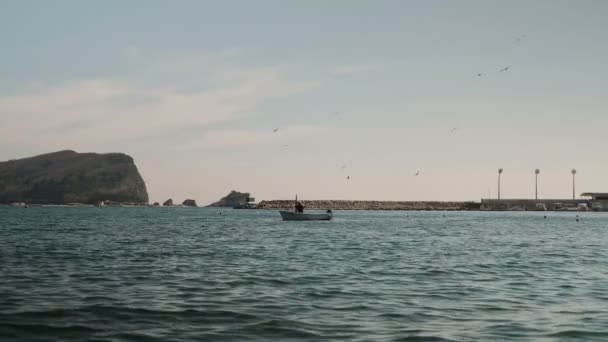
483,205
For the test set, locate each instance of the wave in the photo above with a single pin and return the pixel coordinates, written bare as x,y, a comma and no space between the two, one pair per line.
275,328
15,330
116,312
422,338
575,333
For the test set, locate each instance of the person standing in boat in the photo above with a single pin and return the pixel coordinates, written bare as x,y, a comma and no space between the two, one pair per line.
299,207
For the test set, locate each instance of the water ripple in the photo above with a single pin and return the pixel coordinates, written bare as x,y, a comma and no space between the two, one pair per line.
144,274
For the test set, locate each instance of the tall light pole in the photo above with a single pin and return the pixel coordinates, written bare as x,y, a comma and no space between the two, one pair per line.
536,172
573,184
499,173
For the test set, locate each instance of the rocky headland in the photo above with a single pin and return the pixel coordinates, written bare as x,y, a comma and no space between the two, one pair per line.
69,177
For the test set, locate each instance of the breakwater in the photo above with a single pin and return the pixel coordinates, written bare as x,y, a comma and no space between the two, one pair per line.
532,204
370,205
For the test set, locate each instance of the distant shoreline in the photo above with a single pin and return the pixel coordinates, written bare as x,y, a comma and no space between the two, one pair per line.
483,205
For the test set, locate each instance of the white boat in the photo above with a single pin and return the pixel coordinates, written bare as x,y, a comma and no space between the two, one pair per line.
293,216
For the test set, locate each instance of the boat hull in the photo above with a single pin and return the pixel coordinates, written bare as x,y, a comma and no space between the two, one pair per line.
293,216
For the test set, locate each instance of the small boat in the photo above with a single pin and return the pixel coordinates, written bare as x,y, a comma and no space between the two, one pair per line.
293,216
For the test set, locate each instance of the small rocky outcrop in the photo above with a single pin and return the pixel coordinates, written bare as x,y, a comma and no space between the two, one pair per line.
66,177
168,202
156,204
189,203
233,199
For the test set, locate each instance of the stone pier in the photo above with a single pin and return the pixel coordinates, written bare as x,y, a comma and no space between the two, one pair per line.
370,205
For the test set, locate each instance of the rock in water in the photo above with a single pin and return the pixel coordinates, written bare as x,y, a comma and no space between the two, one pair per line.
69,177
168,203
190,203
233,199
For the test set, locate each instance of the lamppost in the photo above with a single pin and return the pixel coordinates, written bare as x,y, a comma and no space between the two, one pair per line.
573,184
499,173
536,172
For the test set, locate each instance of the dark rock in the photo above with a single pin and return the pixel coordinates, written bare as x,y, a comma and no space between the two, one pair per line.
156,204
233,199
69,177
190,203
168,203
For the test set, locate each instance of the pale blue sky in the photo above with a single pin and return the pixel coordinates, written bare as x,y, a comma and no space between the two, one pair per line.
193,89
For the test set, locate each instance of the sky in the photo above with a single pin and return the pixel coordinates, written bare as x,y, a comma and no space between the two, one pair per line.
371,90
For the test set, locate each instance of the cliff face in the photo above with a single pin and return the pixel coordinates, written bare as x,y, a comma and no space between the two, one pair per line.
233,199
70,177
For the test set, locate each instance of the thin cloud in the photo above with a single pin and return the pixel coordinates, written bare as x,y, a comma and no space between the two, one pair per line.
116,110
132,51
354,69
244,137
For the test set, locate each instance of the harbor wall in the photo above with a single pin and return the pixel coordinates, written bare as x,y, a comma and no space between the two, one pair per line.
485,204
370,205
531,204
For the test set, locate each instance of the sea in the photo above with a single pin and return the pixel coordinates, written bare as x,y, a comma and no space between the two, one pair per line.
214,274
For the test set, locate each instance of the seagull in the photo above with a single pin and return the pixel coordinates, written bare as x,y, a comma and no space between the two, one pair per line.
505,68
454,129
417,173
520,38
480,74
347,177
275,130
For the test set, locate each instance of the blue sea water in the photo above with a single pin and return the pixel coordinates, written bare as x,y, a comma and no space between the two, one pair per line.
170,274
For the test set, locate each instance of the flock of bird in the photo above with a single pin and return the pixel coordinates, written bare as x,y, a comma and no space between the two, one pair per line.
499,70
453,130
506,68
343,167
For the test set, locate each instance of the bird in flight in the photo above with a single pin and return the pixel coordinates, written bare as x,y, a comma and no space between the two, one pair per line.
275,130
480,74
417,173
347,177
505,68
454,129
